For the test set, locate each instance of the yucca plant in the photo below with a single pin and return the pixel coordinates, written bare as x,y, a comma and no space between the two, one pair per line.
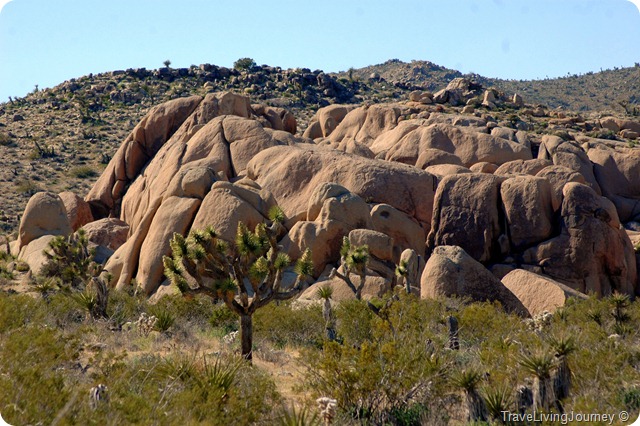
540,365
498,400
619,303
293,417
246,274
562,348
325,292
165,319
468,380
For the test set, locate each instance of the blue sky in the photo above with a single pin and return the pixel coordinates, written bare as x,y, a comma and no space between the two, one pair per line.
45,42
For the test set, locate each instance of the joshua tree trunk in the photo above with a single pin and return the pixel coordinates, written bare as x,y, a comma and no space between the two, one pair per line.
543,394
246,336
477,410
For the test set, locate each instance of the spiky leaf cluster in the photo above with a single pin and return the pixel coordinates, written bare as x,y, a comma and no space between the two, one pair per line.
71,260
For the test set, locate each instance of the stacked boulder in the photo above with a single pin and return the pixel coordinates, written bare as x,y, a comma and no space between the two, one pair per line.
456,196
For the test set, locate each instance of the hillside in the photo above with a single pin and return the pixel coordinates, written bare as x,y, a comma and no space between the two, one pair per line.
607,90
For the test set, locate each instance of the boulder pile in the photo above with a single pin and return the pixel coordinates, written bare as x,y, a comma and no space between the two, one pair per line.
482,210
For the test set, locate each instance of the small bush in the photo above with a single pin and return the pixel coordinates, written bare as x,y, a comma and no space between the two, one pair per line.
244,64
83,172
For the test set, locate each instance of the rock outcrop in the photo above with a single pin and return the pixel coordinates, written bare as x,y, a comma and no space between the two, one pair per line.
450,271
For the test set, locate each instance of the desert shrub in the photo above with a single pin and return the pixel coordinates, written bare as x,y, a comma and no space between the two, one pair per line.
34,379
221,317
83,172
388,367
244,64
6,140
284,325
603,134
165,319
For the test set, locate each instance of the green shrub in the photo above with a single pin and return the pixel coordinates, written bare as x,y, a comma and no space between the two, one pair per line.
83,172
243,64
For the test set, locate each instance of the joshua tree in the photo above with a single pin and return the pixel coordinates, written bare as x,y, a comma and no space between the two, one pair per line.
325,292
354,259
540,365
402,272
562,347
468,380
246,274
167,63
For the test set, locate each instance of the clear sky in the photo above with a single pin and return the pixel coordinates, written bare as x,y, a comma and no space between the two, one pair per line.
45,42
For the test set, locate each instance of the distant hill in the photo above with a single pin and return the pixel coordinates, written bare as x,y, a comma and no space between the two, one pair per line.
594,91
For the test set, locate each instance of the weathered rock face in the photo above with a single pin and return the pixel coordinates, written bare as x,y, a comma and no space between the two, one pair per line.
570,155
466,214
44,214
407,142
558,176
78,210
617,171
450,271
538,293
592,253
140,146
190,170
325,121
108,232
528,210
33,253
366,123
176,122
521,167
305,167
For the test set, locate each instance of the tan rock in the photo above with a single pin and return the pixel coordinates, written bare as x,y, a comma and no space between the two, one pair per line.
403,229
366,123
227,204
160,123
570,155
592,253
44,214
538,293
326,120
174,215
528,210
433,157
617,171
374,287
450,271
108,232
468,145
380,245
78,210
442,170
305,167
521,167
558,176
484,167
33,253
466,214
